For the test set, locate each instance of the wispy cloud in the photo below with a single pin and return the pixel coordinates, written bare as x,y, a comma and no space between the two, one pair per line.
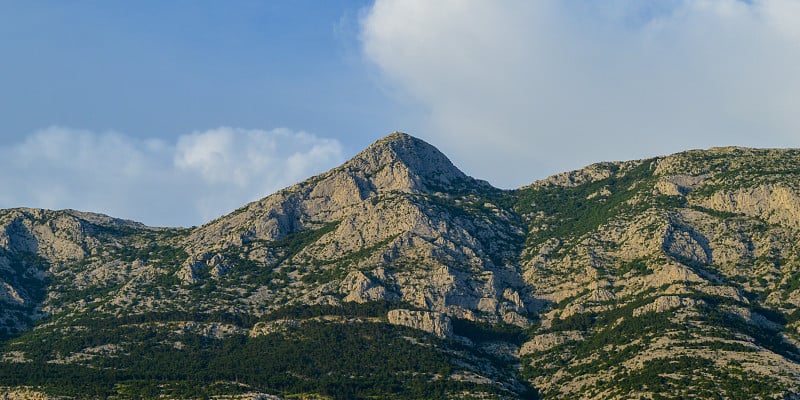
186,182
521,89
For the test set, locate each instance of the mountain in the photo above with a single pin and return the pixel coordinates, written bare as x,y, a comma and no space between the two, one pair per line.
395,275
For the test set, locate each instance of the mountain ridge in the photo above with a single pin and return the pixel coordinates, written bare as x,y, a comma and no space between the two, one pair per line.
587,284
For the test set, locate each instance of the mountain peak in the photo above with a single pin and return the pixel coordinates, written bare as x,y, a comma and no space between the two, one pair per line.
400,161
402,145
397,136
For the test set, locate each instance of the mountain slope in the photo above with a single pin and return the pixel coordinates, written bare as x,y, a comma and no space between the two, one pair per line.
662,278
398,221
675,275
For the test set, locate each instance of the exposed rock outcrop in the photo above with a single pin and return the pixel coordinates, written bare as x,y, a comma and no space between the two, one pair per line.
360,288
689,259
664,303
775,203
429,321
547,341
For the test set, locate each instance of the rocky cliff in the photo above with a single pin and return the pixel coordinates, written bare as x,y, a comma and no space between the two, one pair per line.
677,276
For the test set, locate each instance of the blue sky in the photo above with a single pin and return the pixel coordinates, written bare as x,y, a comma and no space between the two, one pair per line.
173,113
164,68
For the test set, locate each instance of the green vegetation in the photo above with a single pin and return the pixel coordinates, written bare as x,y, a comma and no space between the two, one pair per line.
23,271
284,249
153,252
342,361
791,283
576,322
724,215
475,206
637,267
570,212
88,294
350,309
293,243
735,169
691,377
185,346
483,332
352,258
728,326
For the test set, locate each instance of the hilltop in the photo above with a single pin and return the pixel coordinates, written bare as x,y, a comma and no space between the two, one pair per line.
397,275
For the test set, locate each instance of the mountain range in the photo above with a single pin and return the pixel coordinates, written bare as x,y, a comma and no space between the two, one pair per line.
395,275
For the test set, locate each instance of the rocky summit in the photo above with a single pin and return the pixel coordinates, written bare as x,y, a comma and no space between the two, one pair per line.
395,275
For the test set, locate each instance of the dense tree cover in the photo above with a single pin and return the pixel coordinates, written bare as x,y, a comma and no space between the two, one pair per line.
22,270
614,336
483,332
571,213
729,326
638,266
693,377
343,361
576,322
259,273
98,321
351,309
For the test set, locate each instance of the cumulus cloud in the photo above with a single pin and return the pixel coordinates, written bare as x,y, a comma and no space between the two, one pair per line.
200,176
517,90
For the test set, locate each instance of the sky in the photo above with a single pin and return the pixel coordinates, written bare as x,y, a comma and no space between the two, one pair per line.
175,113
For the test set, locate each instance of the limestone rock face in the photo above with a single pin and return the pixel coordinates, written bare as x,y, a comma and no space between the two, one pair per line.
592,173
211,330
687,245
36,249
679,239
775,203
10,295
604,273
399,207
265,328
360,288
429,321
397,163
23,394
58,238
676,185
400,162
664,303
547,341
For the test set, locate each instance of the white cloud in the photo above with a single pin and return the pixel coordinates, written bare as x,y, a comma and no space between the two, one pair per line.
516,90
200,176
